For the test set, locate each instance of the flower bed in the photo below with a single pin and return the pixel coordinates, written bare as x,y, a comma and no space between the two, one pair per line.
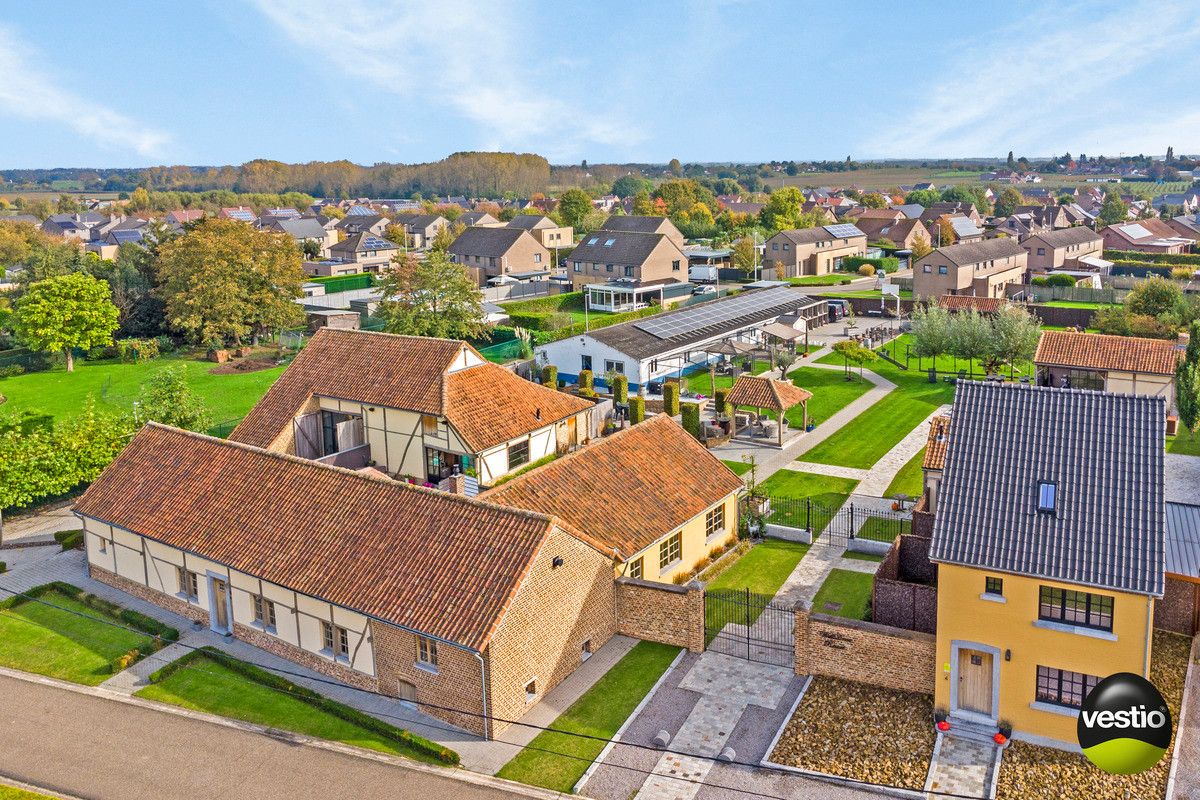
862,732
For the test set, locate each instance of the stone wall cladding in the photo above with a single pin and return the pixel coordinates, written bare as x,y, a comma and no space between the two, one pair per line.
1176,610
456,683
660,612
865,652
541,637
171,603
922,522
313,661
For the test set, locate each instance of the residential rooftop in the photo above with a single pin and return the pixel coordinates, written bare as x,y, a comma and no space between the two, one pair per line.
1104,352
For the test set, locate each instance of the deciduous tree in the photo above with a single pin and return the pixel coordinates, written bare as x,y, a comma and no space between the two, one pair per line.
431,297
573,206
65,312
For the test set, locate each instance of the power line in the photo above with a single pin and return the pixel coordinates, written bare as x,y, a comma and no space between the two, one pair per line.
465,712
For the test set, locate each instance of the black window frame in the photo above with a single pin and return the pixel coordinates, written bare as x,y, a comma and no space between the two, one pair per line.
993,585
1049,685
516,448
1066,606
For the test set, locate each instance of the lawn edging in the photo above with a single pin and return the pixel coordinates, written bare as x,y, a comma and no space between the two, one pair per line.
616,737
352,715
160,634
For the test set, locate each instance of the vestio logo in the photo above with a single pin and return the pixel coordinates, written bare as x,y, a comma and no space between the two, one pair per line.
1124,725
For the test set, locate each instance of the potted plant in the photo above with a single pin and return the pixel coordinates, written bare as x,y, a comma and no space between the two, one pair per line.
1004,733
941,719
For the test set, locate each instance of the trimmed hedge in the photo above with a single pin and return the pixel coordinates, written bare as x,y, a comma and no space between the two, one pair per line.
69,540
598,321
550,376
723,404
670,399
1054,280
585,379
1140,269
620,389
344,283
691,418
637,409
1187,259
3,567
885,263
320,702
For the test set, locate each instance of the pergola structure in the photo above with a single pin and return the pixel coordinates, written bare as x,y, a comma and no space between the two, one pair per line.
761,392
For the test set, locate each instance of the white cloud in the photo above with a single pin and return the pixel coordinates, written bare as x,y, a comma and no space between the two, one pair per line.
28,92
449,54
1056,81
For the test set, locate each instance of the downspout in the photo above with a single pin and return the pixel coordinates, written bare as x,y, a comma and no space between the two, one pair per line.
1149,638
483,691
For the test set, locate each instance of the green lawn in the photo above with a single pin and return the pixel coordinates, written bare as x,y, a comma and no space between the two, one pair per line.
880,529
831,391
13,793
65,644
1184,445
831,279
700,382
739,467
910,479
599,712
762,569
787,488
116,385
944,363
851,589
206,685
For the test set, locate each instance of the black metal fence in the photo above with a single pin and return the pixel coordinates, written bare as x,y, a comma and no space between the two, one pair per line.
738,622
838,526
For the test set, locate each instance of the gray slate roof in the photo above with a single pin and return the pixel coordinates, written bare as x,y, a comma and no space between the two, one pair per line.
301,228
531,221
1183,540
635,224
1064,237
626,248
974,252
484,241
1105,453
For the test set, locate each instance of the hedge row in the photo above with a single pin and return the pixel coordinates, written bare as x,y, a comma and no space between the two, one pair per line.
540,337
567,301
885,263
1187,259
1141,269
344,283
70,540
321,703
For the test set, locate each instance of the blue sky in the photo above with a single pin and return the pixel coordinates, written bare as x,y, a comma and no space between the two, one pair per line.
122,83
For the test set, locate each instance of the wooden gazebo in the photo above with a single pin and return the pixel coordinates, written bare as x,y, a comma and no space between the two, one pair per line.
761,392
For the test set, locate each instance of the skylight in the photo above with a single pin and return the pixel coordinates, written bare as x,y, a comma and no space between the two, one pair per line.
1047,492
593,240
609,242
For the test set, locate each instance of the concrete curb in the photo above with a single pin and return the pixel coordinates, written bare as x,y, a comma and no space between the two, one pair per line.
13,783
454,773
1169,794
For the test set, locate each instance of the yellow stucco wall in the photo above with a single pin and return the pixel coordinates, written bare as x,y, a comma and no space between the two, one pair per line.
695,545
964,617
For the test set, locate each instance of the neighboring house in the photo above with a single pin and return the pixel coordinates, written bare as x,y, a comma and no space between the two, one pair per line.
422,229
549,233
982,269
183,217
78,227
305,229
827,214
655,525
1048,566
473,610
499,251
955,303
239,213
1063,249
480,218
965,229
642,258
902,232
911,210
353,224
412,406
675,343
935,211
369,251
633,224
1147,236
811,251
1188,201
887,214
1123,364
1187,226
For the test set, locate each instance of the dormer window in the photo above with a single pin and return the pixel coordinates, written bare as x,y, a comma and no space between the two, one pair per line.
1047,494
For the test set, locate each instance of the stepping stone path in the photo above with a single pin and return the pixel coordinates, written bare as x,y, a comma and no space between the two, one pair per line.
962,766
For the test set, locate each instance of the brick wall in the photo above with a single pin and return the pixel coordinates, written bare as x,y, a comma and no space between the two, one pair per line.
1177,609
922,521
565,602
865,652
456,683
169,602
660,612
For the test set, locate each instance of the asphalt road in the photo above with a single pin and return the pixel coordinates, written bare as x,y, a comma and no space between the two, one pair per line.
100,749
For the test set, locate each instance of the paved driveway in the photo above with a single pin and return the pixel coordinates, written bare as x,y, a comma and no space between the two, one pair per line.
100,749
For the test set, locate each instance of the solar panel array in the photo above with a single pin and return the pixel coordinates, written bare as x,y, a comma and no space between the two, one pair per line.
286,213
375,243
125,236
844,231
719,312
359,211
243,214
1135,231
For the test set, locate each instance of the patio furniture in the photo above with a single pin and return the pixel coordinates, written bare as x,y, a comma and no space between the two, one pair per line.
763,393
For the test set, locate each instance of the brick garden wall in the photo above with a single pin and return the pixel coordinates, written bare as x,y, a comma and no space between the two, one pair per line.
865,652
904,593
661,612
1176,611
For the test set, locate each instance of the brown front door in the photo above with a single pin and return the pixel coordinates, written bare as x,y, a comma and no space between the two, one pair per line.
220,605
975,681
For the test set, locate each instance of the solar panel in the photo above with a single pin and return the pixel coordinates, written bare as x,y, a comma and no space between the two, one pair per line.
359,211
242,214
1135,231
719,312
286,213
122,237
844,231
375,243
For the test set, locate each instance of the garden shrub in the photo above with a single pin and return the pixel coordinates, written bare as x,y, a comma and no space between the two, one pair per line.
1152,258
723,404
670,399
11,371
1054,280
70,540
550,375
637,409
277,682
691,418
620,389
166,344
585,381
137,349
558,321
3,567
855,264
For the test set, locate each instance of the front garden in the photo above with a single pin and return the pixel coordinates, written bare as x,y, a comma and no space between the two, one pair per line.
556,759
861,732
208,680
831,391
788,488
762,569
845,593
910,480
62,632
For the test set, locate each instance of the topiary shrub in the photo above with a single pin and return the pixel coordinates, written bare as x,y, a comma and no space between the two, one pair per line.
637,409
69,540
586,380
620,389
550,375
671,398
866,270
691,418
723,404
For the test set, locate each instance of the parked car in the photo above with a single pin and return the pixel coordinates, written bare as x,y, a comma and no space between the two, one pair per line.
705,290
838,309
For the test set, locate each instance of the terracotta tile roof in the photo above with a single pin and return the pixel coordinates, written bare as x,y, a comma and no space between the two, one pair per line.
966,302
628,490
1099,351
760,391
331,533
394,371
935,445
489,405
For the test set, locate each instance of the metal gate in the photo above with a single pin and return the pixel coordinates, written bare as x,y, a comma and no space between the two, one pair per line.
738,622
838,526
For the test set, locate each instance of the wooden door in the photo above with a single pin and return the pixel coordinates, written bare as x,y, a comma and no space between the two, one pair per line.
220,605
975,681
406,691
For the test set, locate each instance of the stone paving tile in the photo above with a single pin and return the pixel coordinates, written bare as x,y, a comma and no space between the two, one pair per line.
802,585
855,565
829,469
137,677
963,766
